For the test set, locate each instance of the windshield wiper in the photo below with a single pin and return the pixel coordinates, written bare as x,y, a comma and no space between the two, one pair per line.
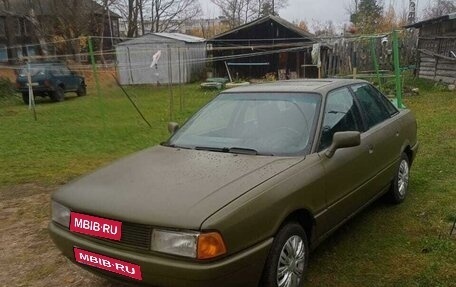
234,150
174,146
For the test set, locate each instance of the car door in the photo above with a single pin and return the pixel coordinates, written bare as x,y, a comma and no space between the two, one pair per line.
381,136
70,81
57,77
349,169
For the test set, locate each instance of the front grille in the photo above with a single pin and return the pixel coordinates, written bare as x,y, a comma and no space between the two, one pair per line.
136,235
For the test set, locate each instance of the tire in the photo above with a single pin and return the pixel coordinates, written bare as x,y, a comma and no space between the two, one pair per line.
290,244
82,90
58,95
399,186
25,98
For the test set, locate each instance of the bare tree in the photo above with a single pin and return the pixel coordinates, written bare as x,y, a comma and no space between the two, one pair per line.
234,11
238,12
438,8
352,7
168,15
324,28
162,15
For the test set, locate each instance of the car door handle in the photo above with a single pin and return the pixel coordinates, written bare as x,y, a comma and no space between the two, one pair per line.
371,149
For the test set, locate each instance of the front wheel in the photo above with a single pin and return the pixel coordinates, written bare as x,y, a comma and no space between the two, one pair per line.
58,95
399,187
288,257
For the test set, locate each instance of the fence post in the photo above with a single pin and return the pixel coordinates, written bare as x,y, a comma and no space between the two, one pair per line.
376,66
397,69
30,90
170,85
94,66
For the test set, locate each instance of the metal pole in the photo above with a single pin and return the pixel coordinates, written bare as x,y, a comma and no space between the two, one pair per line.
97,81
180,81
170,83
30,91
376,66
397,69
94,67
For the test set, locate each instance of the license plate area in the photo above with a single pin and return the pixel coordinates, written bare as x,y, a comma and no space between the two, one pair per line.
95,226
106,263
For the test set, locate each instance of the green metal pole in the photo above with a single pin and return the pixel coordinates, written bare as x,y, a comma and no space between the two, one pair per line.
97,80
376,66
397,69
94,67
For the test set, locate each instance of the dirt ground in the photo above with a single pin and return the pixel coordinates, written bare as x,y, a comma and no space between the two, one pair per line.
27,255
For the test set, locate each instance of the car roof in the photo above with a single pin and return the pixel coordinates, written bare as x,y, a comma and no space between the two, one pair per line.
308,85
45,64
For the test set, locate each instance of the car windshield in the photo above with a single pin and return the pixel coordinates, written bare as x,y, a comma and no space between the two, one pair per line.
253,123
34,71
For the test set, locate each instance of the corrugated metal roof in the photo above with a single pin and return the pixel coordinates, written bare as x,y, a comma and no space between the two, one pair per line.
435,20
181,37
169,37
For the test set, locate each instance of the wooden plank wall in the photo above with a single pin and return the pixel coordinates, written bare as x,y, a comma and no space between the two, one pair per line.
437,69
436,44
339,59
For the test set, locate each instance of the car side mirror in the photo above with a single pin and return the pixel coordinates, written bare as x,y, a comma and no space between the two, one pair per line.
343,140
173,127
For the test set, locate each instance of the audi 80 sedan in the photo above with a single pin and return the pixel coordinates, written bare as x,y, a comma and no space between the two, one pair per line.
240,194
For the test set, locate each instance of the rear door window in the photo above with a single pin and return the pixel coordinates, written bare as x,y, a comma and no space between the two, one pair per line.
372,105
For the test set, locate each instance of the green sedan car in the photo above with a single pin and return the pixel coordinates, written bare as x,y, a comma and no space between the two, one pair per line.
243,191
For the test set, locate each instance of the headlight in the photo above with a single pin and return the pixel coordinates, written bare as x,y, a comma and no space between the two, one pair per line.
188,244
60,214
177,243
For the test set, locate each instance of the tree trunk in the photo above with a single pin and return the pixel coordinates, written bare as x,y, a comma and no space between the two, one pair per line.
141,15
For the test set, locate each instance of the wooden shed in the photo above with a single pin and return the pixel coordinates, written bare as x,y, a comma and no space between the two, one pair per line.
437,48
268,45
180,59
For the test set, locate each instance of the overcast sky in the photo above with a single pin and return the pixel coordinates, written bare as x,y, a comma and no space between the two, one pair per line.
319,10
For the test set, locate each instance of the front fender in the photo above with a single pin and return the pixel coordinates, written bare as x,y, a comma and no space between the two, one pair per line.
258,214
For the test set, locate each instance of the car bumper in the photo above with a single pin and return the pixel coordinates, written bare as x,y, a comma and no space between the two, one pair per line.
242,269
37,89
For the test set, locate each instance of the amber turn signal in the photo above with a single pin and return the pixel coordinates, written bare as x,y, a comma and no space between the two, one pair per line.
210,245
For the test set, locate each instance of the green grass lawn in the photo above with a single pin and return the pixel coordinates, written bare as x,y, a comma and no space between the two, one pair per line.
405,245
80,134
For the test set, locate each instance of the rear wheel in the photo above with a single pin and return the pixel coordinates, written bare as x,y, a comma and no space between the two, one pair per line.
25,98
287,260
399,187
58,95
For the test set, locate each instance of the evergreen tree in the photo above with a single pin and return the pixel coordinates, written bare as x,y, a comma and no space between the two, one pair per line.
368,16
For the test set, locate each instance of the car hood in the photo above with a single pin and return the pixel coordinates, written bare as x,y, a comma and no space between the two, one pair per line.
169,187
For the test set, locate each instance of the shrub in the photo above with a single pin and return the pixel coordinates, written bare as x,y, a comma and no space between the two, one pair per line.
7,92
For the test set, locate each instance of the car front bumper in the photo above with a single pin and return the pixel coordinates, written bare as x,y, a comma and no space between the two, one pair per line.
242,269
36,89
